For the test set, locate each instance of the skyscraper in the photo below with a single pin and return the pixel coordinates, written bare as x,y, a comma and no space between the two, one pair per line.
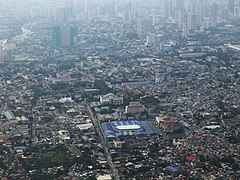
213,14
63,36
191,21
193,7
237,8
168,8
56,36
179,4
144,26
199,12
178,17
64,15
72,5
231,5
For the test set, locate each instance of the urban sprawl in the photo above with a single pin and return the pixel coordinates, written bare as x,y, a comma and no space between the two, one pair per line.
139,90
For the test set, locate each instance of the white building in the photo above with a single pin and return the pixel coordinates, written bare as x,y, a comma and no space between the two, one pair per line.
111,99
151,39
104,177
64,135
135,107
85,126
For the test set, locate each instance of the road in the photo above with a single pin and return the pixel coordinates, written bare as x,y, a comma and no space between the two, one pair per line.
34,137
104,145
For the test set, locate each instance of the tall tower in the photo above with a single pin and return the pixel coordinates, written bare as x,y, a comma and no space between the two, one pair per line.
80,6
185,29
199,12
237,8
144,26
178,17
191,21
66,36
193,7
168,8
71,4
206,9
56,36
231,5
179,4
64,15
213,14
63,36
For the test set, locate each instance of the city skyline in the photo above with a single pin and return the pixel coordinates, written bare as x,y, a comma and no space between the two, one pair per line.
118,90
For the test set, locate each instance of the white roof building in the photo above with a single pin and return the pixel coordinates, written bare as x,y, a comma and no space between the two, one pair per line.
111,99
104,177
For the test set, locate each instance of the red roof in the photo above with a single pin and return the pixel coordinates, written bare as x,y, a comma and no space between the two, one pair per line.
191,157
170,122
166,117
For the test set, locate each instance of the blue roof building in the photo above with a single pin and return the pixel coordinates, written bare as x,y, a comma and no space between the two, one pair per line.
124,128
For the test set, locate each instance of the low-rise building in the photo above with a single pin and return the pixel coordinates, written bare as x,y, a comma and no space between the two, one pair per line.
104,177
111,99
168,124
134,107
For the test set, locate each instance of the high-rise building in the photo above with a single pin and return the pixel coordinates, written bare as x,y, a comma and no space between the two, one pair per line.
80,6
151,39
213,14
237,12
87,6
168,8
51,13
237,8
231,5
144,26
64,15
71,4
63,36
191,21
35,12
185,30
206,9
225,14
193,7
111,9
66,36
128,16
178,17
206,22
199,12
179,4
56,36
